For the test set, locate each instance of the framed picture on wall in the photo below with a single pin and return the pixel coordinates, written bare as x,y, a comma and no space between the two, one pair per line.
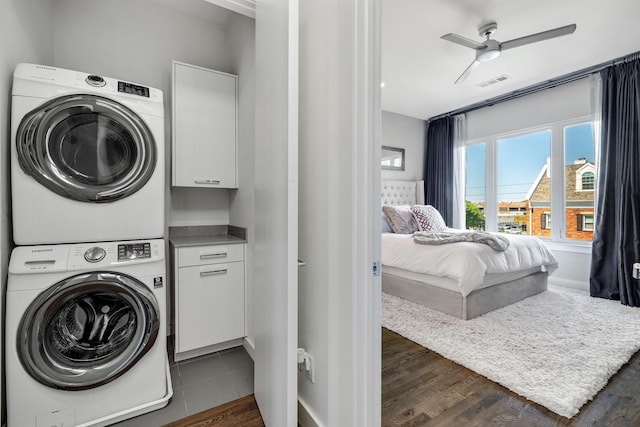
392,158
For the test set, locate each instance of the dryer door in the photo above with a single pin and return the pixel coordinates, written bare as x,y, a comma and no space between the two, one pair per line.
87,330
86,147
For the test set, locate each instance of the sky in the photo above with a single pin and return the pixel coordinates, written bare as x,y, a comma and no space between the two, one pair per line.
520,159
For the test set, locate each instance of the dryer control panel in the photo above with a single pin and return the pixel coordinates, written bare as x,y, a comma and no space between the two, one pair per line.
134,251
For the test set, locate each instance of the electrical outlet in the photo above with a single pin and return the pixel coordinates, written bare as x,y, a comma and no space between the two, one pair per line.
309,372
636,270
305,364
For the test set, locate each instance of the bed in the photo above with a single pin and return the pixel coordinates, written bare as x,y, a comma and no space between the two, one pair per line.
464,279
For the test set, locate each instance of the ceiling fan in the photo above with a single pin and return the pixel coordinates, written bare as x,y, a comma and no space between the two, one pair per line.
490,48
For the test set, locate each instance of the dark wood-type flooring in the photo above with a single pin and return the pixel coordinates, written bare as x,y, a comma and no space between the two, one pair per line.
422,388
241,412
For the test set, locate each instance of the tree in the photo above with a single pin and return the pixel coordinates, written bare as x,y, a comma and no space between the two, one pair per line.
474,216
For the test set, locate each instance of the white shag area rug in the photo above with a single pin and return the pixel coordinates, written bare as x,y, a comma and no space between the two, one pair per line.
557,348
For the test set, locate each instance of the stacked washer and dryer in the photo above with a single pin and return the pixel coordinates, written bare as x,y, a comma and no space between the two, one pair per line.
85,338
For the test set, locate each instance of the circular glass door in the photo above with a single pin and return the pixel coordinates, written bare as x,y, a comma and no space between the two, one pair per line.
87,330
87,148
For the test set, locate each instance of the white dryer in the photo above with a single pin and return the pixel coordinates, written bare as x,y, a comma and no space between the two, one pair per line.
85,334
87,158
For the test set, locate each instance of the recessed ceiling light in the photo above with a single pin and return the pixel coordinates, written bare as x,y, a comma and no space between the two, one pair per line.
381,84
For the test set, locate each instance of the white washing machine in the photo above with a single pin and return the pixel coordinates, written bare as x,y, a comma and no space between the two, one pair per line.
85,334
87,158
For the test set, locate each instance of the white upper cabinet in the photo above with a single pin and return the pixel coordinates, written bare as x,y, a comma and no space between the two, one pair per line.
205,117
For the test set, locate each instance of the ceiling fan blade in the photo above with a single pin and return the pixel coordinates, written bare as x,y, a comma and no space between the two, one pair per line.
538,37
454,38
468,71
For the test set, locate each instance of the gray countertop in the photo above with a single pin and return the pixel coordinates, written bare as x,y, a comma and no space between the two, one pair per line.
203,235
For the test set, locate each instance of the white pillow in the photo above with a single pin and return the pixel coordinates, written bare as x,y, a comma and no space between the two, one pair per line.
400,219
385,225
428,218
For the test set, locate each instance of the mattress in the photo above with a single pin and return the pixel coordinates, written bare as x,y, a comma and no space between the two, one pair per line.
465,266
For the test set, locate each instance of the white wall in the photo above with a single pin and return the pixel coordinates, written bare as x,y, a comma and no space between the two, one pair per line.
276,204
564,102
136,40
339,323
25,36
408,133
241,32
315,211
574,266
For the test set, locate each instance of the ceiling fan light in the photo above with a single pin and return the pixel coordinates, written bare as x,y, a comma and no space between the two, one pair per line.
488,55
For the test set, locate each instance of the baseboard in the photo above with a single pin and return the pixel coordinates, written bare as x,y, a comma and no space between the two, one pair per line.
250,347
178,357
568,283
306,417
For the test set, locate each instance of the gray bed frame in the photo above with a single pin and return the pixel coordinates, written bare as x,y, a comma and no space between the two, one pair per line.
475,304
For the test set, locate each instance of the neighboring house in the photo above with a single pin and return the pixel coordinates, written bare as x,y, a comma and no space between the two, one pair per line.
512,215
579,201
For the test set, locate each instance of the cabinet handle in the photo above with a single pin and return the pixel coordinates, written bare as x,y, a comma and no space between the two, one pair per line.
215,255
213,272
206,181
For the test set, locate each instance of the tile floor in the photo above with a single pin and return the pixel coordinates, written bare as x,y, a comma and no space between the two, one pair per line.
201,383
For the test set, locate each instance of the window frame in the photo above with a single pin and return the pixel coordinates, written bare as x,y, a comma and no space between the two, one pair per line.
557,165
592,181
545,221
582,221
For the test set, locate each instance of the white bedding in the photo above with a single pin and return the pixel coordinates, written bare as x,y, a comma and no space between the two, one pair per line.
467,263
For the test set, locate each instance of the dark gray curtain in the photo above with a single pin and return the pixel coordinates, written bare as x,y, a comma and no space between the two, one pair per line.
616,237
438,167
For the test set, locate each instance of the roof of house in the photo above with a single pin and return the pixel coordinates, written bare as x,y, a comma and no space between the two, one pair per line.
541,188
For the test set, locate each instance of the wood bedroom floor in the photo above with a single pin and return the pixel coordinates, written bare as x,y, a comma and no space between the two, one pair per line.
240,412
422,388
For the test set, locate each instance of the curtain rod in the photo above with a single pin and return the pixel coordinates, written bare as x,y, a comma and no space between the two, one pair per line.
566,78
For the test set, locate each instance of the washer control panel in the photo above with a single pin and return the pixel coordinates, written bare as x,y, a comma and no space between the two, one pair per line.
103,254
130,251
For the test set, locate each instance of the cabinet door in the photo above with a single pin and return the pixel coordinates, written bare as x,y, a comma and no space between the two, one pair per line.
204,127
210,305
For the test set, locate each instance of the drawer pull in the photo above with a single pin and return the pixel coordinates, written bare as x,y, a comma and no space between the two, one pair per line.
214,255
213,272
206,181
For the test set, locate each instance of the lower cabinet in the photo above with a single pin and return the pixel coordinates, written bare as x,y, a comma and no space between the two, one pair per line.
209,298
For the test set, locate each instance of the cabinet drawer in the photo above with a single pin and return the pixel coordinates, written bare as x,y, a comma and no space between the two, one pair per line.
210,305
211,254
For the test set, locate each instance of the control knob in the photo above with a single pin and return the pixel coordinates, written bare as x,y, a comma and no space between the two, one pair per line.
95,254
96,81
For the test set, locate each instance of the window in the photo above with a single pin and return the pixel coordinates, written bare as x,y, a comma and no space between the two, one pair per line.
520,179
585,222
545,221
523,178
475,187
588,180
580,180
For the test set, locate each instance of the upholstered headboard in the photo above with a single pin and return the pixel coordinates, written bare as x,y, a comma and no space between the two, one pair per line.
394,193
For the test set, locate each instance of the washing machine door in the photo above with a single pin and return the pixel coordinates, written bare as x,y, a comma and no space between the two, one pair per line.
87,148
87,330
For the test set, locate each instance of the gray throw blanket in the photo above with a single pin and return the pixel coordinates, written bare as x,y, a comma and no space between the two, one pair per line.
499,243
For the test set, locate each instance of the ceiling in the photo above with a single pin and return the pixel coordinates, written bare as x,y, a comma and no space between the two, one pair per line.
419,69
